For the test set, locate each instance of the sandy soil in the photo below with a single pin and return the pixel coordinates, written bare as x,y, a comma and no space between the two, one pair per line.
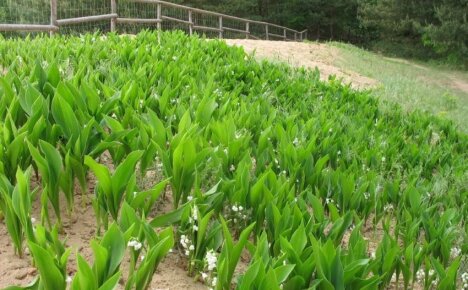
308,55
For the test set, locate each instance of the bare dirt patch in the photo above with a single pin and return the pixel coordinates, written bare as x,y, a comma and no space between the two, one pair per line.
308,55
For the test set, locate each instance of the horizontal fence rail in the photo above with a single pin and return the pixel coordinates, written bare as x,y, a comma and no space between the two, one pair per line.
243,27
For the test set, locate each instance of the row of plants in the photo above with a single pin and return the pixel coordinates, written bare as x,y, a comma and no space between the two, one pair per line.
310,184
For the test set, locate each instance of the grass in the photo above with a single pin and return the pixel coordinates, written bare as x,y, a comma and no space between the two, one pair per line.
430,88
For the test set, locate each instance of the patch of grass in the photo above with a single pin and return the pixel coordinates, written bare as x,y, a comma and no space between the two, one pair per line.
435,89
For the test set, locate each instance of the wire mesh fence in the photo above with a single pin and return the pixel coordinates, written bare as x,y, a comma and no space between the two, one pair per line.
129,16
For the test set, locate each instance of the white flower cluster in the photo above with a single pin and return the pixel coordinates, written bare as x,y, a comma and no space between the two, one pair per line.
194,218
186,244
421,275
210,261
366,195
464,277
135,244
239,212
455,252
388,207
296,142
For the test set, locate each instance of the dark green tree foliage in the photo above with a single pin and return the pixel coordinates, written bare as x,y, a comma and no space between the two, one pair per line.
449,35
414,28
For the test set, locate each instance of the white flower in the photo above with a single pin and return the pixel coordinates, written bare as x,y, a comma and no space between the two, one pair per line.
455,252
388,207
420,275
191,248
225,151
142,257
296,142
135,244
135,194
33,220
366,195
187,253
195,212
330,130
241,208
195,228
329,200
383,159
211,260
204,276
431,272
214,282
372,255
276,161
339,152
232,168
235,208
190,198
68,280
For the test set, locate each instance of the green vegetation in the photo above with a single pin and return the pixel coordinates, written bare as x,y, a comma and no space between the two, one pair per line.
414,86
318,185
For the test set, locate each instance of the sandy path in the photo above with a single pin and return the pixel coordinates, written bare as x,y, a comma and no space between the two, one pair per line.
309,55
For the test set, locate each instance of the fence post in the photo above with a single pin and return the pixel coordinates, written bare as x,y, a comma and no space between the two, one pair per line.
53,14
266,31
247,30
113,11
295,36
191,22
285,35
158,12
220,26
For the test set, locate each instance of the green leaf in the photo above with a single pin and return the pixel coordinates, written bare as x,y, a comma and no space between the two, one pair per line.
51,277
102,174
283,271
65,117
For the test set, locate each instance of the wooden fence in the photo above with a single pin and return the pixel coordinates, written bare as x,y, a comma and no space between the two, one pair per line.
285,33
